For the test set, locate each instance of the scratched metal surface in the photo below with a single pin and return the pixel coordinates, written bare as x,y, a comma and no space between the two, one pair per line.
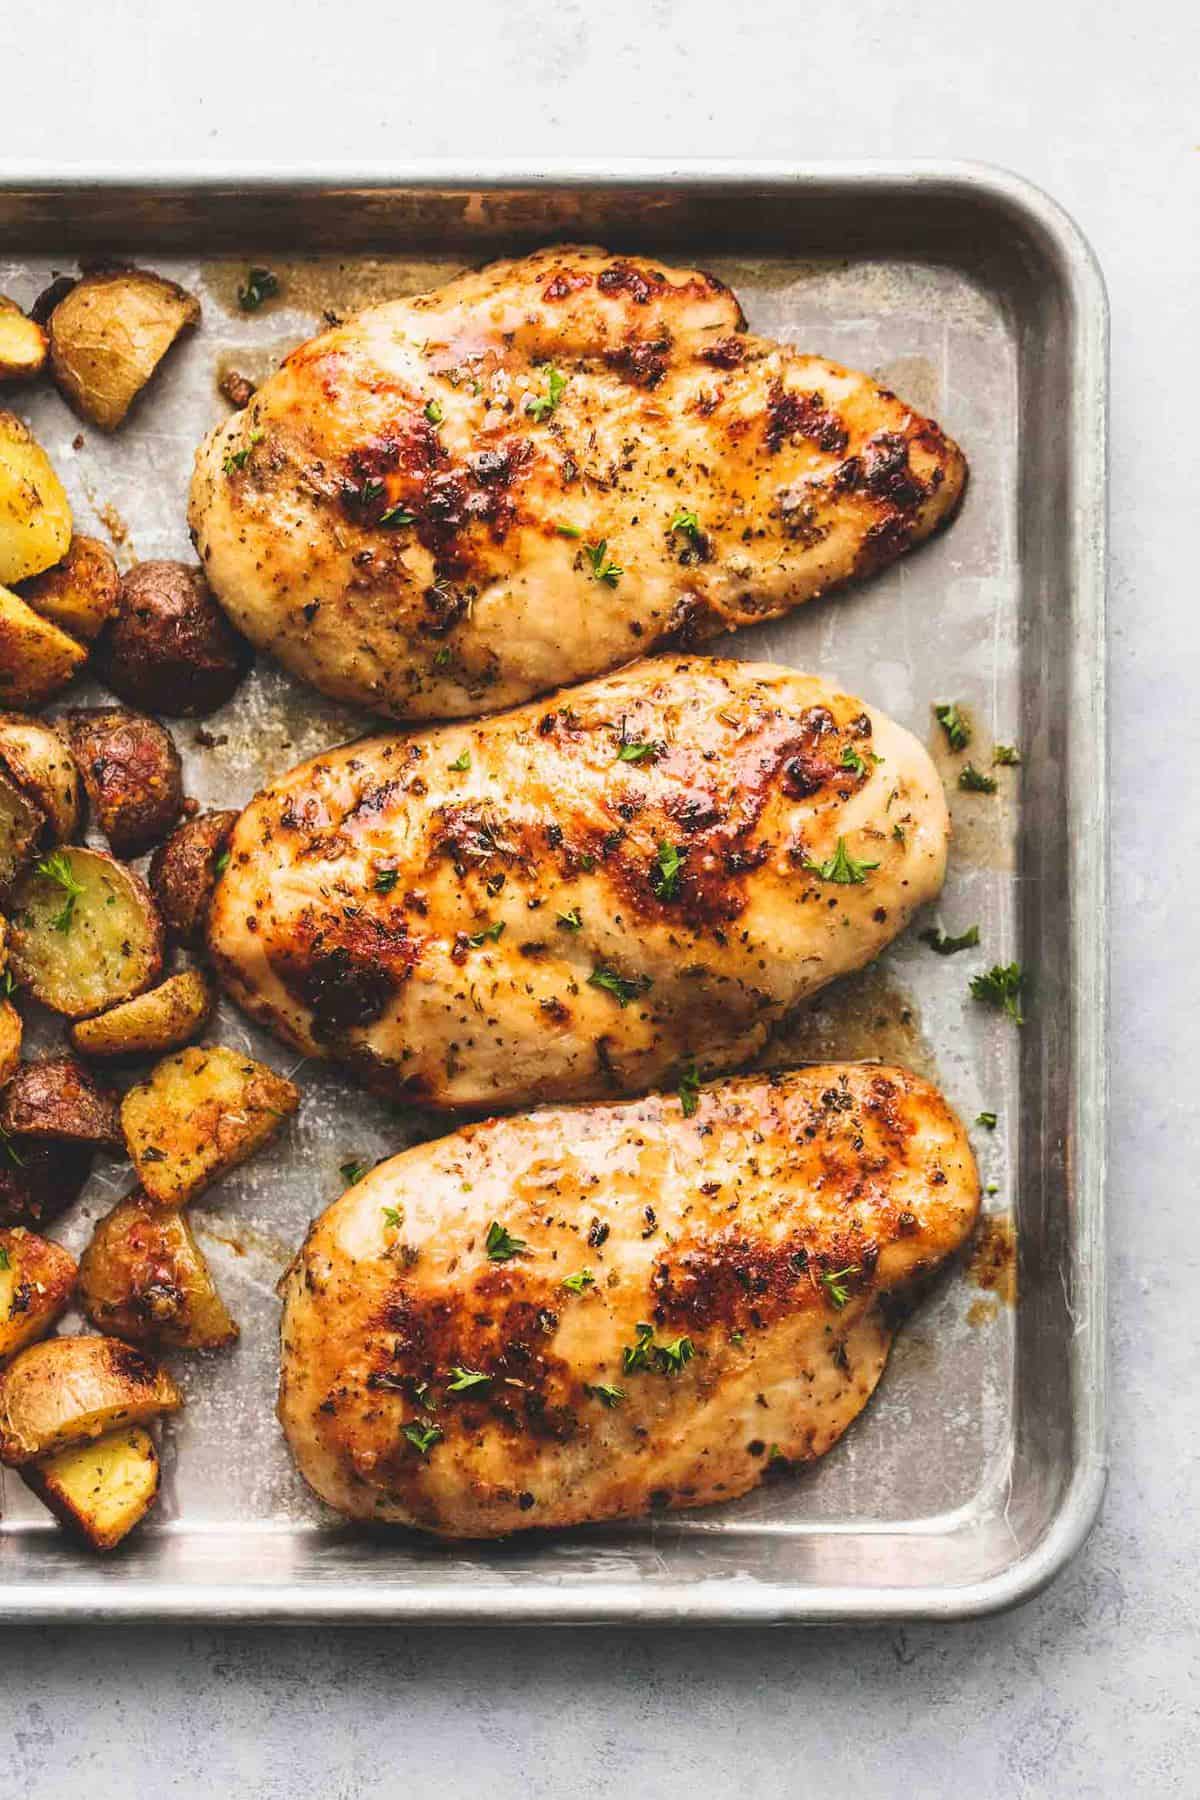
965,1458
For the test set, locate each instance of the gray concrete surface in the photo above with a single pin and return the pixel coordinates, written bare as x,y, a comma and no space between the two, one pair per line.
1090,1689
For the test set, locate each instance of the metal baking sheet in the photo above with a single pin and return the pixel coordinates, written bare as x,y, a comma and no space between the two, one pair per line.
978,1467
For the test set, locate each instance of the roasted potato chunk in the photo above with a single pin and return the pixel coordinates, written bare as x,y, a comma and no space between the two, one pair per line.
84,932
22,823
38,760
37,1280
199,1114
11,1033
110,333
143,1277
36,658
58,1098
131,770
163,1019
22,343
35,514
170,648
66,1390
79,594
39,1178
185,870
100,1490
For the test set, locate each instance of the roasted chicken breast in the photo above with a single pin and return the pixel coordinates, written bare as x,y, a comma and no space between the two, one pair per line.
583,897
584,1314
453,502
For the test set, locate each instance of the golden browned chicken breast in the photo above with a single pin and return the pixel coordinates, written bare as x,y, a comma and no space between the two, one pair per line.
581,898
584,1314
454,502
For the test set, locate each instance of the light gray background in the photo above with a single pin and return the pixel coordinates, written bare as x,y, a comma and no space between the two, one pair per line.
1090,1689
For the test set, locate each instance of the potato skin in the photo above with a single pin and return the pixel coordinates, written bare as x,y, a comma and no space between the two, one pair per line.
35,514
80,593
113,948
22,824
109,332
37,1280
170,648
164,1018
183,874
68,1389
40,1178
132,773
59,1098
144,1278
11,1033
199,1114
37,660
38,760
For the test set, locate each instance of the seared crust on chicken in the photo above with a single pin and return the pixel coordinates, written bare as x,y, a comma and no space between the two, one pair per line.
451,503
586,1314
576,899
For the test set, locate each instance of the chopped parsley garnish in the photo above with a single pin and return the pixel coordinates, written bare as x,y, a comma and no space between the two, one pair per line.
423,1437
948,946
395,516
370,491
466,1379
222,863
842,868
638,752
393,1217
1001,988
664,871
571,531
623,988
1007,755
433,412
460,763
57,868
490,932
851,759
582,1278
899,833
441,657
352,1172
833,1281
4,1262
501,1245
974,781
689,1089
603,568
687,522
658,1359
605,1392
571,921
14,1156
958,732
237,459
261,284
385,880
540,410
987,1119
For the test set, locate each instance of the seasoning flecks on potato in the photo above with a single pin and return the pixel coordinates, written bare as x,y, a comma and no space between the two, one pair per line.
132,773
169,648
84,932
101,1489
164,1018
143,1277
37,660
66,1390
79,594
109,333
35,514
38,760
198,1114
37,1280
